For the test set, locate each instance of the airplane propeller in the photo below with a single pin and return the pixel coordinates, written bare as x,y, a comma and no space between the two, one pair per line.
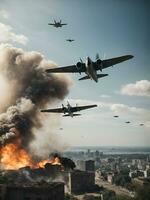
81,60
68,104
97,56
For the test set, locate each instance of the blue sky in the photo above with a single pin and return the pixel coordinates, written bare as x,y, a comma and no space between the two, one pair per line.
110,27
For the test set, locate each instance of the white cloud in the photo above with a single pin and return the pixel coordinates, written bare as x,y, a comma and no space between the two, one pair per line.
4,14
147,124
7,35
122,108
140,88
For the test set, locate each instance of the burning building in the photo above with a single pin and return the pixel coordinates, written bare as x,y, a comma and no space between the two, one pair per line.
26,181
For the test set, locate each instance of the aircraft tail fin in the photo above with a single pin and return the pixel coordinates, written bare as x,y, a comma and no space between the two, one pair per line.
101,75
98,76
84,78
72,115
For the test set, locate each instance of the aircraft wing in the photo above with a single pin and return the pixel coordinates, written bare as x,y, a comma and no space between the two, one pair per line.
67,69
56,110
78,108
63,24
114,61
51,24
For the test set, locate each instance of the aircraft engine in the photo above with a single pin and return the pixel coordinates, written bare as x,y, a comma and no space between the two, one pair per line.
78,66
64,109
99,64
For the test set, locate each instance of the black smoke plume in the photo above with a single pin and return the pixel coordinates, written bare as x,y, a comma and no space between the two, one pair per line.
29,88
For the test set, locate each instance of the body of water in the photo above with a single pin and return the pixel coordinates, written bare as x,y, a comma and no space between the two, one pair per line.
113,150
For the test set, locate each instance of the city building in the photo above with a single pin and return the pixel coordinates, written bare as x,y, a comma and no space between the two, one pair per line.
81,182
147,173
110,178
86,165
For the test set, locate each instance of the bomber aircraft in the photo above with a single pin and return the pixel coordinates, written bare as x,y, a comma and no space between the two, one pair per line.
69,110
116,116
127,122
70,40
141,124
90,67
57,24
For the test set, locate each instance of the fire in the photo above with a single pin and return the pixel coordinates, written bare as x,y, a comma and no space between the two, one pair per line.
13,156
54,161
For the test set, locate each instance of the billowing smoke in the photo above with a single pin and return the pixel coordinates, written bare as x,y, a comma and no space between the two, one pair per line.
24,90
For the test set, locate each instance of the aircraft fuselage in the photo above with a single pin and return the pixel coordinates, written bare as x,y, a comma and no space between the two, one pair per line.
68,110
57,25
90,70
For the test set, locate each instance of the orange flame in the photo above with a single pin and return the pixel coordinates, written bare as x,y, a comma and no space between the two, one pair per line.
54,161
13,156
